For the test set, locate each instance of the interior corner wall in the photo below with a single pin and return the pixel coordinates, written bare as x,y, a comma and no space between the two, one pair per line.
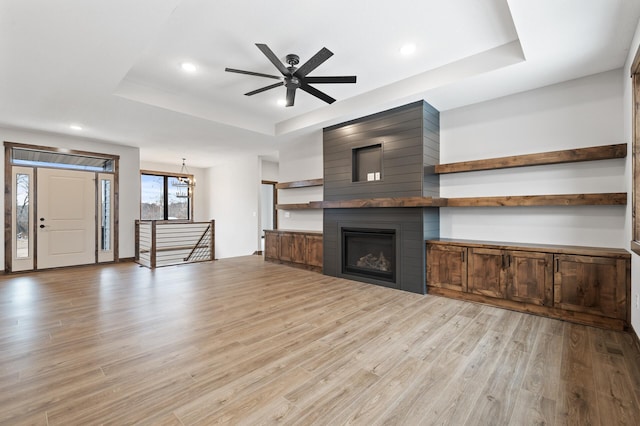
234,193
269,170
627,105
574,114
129,200
301,159
200,192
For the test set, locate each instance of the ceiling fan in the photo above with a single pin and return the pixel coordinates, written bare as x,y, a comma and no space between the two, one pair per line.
297,78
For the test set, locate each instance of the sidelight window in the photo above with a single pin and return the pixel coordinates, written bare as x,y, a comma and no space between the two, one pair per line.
23,215
105,213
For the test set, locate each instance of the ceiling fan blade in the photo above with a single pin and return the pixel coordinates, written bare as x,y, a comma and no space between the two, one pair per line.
257,74
273,58
313,63
317,93
332,79
291,96
271,86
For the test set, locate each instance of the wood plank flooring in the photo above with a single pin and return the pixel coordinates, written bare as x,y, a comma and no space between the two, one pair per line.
241,341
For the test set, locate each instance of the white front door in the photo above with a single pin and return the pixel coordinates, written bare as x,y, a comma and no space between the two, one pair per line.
66,218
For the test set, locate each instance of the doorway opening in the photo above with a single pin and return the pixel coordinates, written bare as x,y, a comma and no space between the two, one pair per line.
62,207
268,212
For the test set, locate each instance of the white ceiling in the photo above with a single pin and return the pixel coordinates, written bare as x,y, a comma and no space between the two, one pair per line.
113,67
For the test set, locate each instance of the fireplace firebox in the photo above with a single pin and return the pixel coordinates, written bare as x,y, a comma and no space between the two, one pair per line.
369,253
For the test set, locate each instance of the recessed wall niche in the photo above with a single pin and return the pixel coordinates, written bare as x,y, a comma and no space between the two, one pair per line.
366,163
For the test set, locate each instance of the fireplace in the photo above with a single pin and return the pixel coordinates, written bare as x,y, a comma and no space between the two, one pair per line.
353,236
369,253
380,166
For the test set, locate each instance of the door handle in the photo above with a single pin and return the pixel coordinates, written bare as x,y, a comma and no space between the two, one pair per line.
41,226
42,219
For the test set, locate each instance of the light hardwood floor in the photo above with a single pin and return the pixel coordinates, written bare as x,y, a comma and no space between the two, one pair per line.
242,341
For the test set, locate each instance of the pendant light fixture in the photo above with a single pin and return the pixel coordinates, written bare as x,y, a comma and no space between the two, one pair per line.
184,183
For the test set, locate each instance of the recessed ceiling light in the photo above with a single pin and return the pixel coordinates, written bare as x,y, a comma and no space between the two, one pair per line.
408,49
282,102
188,67
75,127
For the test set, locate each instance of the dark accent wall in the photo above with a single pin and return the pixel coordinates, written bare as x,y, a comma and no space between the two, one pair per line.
410,139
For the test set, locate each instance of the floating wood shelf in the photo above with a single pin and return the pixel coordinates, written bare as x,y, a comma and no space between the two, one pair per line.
300,206
385,202
300,183
603,199
604,152
599,199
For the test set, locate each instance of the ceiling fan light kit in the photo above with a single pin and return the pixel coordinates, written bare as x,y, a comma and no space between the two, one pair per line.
296,78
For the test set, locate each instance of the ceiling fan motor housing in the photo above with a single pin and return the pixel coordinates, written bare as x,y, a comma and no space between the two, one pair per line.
292,59
292,82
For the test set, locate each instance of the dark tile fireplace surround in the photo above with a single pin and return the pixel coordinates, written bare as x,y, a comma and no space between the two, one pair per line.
386,155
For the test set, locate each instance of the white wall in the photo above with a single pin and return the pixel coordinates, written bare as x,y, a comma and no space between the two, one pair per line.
200,192
299,160
270,170
129,200
627,104
574,114
234,204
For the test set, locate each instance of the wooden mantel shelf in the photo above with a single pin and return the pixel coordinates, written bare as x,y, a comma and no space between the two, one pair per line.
604,152
300,183
384,202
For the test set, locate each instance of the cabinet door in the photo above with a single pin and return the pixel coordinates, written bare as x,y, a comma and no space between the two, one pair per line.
486,272
314,250
284,247
595,285
530,277
298,248
271,245
447,267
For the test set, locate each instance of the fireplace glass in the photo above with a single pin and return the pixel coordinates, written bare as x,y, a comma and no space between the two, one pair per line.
369,253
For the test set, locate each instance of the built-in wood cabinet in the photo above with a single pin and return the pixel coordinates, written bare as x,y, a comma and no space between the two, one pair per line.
291,247
590,284
587,285
314,250
511,274
271,245
530,277
486,273
447,266
296,248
